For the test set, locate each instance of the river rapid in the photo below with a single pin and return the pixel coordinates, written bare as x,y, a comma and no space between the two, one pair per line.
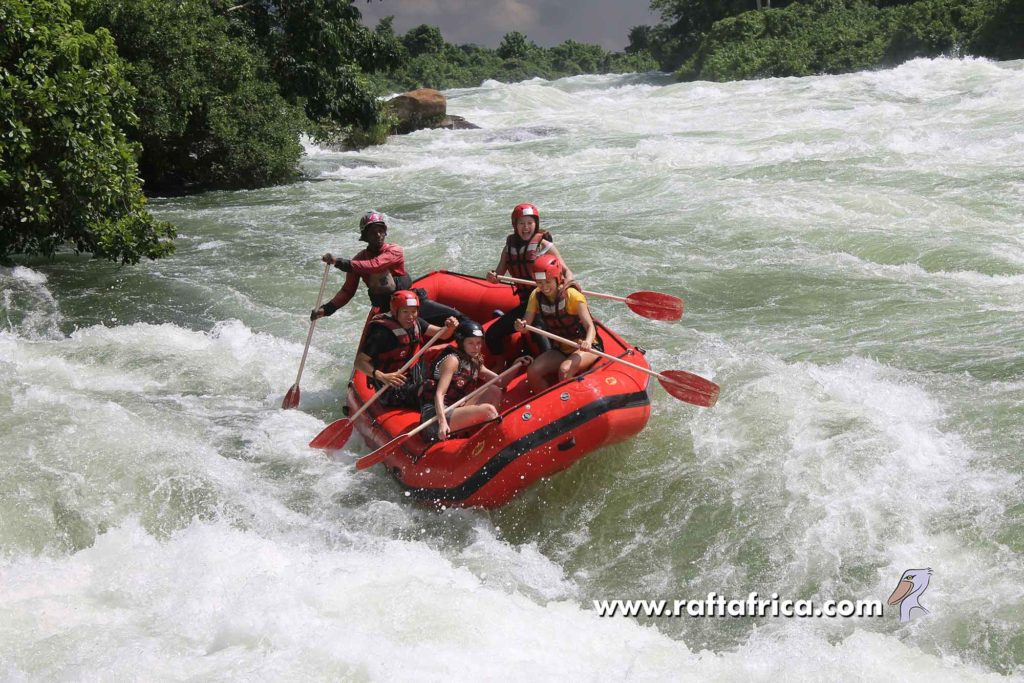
851,253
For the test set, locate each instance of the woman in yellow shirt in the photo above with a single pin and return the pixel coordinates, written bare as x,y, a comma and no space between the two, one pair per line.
563,311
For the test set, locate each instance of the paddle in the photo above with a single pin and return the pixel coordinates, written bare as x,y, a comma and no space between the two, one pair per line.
653,305
337,433
682,385
291,399
388,448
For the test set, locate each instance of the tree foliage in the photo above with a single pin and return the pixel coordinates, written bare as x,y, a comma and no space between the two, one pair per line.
423,40
210,115
999,33
729,39
685,22
322,57
67,171
516,45
442,65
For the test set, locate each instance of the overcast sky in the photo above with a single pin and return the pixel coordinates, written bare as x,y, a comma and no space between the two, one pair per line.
545,22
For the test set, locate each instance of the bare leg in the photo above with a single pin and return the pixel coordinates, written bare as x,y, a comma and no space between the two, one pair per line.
491,395
466,416
545,364
576,363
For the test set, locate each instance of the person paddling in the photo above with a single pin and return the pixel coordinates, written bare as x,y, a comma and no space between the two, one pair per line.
522,248
563,310
391,339
381,265
457,372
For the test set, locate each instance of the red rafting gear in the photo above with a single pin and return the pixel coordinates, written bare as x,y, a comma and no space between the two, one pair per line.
525,210
409,342
404,298
538,434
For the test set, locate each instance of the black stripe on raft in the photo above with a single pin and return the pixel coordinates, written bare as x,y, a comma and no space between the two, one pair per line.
527,443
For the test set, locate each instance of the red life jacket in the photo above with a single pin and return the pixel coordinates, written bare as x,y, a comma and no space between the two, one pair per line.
409,342
463,381
557,320
521,257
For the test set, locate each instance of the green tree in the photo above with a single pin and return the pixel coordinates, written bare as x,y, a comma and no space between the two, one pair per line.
423,40
322,56
578,57
639,39
516,45
997,33
67,171
684,23
518,59
210,115
727,39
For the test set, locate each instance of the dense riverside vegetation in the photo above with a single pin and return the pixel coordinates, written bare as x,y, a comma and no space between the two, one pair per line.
67,169
102,98
430,62
723,40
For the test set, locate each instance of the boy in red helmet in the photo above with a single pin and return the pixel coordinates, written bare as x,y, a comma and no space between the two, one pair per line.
381,265
523,247
564,312
391,340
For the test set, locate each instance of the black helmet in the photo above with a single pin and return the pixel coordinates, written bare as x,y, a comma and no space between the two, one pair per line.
467,329
370,218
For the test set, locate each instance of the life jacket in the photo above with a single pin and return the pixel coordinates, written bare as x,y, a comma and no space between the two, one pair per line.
463,381
521,256
557,320
409,342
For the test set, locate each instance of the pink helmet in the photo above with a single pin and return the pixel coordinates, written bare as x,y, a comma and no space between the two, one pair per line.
525,210
547,267
403,298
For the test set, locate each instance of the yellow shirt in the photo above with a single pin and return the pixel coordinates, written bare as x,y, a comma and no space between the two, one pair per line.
573,299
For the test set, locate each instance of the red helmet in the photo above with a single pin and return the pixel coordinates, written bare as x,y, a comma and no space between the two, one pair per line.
547,267
525,210
370,218
403,298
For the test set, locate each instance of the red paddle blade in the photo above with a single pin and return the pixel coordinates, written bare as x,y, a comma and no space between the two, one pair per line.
381,453
291,399
689,387
334,435
655,305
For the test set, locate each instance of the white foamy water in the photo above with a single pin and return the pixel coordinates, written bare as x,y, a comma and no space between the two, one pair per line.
850,253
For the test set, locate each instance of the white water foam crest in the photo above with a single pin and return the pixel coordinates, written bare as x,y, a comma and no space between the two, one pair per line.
218,602
225,360
856,466
812,261
153,418
27,308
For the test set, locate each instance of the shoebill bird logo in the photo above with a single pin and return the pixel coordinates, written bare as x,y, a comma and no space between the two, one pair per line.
909,590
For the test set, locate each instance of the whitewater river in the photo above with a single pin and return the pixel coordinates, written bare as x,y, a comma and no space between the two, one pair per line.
851,253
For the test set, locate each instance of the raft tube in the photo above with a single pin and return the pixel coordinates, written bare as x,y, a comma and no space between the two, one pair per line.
535,436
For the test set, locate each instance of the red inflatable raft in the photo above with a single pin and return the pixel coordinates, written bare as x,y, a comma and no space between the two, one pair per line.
536,436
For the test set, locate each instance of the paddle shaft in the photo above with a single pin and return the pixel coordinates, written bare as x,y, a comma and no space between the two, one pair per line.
563,340
312,323
611,297
408,364
468,397
383,451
